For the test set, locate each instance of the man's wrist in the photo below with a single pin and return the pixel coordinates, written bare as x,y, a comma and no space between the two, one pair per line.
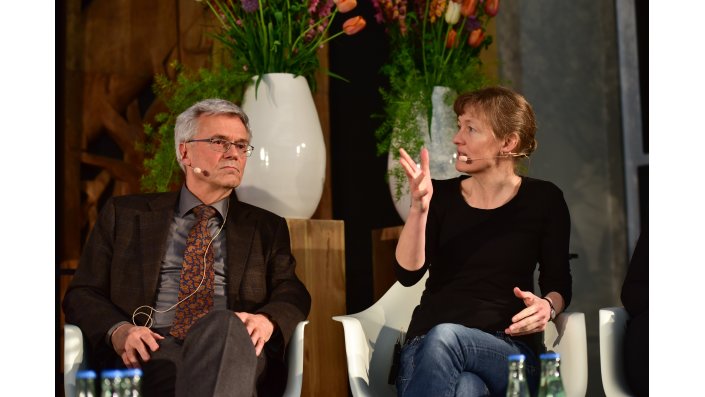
111,331
269,317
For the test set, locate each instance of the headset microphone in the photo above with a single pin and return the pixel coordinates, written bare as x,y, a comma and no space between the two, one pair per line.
466,159
198,170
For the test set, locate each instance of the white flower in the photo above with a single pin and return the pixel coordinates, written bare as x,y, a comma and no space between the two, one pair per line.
453,13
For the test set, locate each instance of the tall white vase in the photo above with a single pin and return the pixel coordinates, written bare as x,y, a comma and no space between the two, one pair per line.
442,151
286,171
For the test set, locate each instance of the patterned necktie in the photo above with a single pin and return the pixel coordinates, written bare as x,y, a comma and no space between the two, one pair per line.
201,302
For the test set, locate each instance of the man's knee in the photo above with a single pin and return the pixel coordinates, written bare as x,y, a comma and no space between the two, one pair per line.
217,321
220,327
217,317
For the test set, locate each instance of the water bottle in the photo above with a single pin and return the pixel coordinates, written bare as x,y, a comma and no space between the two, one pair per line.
551,384
516,385
131,383
85,383
110,383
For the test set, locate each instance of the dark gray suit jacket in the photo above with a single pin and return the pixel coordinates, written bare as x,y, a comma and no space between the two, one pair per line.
120,265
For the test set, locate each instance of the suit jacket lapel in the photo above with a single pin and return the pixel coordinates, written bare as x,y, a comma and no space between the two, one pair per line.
154,230
240,229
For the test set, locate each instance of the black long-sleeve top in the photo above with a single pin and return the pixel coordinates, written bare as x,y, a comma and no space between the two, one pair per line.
476,257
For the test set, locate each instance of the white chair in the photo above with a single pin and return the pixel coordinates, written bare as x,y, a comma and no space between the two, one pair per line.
74,359
567,337
295,362
613,326
371,334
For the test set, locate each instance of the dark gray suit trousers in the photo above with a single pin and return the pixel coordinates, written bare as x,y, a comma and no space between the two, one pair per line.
217,358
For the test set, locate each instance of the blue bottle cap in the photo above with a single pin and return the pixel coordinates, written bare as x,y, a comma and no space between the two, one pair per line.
86,374
517,357
110,373
131,372
550,356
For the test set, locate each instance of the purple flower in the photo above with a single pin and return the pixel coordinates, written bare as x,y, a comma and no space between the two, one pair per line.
313,4
325,10
250,5
472,23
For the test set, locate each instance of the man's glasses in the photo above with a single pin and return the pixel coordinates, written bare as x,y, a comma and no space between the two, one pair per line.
222,145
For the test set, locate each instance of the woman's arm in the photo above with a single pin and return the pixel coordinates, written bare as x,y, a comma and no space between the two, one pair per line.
410,252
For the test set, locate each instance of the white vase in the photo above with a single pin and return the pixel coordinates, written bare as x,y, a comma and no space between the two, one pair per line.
441,149
286,171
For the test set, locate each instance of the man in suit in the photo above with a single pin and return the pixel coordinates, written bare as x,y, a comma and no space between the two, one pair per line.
131,295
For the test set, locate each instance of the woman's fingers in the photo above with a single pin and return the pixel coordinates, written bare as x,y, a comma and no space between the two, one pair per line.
425,161
419,177
407,163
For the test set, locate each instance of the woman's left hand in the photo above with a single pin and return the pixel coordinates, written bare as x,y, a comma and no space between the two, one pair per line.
532,319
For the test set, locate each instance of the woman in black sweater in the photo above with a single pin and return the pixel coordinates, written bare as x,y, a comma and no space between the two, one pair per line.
480,237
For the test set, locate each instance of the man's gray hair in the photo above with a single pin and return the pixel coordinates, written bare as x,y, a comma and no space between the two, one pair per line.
187,122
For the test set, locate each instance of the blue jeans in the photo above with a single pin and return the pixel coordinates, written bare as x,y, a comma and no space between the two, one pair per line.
453,360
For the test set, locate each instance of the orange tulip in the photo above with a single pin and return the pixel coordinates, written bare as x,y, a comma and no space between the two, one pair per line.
476,38
354,25
345,5
468,7
491,7
450,39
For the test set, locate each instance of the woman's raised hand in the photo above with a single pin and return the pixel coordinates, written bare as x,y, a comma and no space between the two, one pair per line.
420,185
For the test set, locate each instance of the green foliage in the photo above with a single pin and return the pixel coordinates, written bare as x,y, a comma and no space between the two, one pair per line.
161,167
409,96
407,104
275,36
427,50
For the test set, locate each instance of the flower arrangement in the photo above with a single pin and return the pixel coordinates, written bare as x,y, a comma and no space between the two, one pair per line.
262,36
434,43
280,36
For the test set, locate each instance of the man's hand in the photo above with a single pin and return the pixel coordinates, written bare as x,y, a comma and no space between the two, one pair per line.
532,319
259,327
130,340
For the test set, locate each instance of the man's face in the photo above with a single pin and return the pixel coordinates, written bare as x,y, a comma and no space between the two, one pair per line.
219,170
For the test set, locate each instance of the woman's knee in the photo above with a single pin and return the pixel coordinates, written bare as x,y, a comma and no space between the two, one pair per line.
443,335
470,384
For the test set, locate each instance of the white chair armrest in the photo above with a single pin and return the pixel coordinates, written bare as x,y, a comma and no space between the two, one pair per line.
567,337
295,362
73,357
357,355
613,326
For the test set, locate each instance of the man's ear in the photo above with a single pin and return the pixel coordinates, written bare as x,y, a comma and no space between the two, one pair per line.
185,159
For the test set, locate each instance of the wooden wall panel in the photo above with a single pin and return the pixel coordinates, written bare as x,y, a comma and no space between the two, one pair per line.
384,244
319,248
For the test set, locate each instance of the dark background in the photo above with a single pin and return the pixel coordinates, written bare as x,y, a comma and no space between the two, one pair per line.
360,192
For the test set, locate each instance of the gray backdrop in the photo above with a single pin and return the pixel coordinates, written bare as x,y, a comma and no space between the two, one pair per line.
564,56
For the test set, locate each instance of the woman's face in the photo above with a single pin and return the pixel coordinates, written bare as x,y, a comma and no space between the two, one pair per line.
475,140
